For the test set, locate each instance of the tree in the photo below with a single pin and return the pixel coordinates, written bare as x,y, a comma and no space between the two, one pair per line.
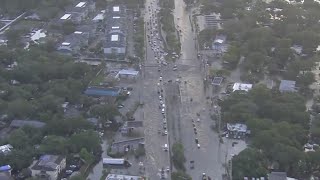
249,163
19,139
255,61
180,175
68,27
89,140
105,112
178,157
78,177
306,79
88,157
67,126
54,145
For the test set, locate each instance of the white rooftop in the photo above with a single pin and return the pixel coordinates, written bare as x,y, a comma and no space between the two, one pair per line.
241,87
116,8
115,27
65,43
123,177
98,17
116,17
66,16
78,32
128,72
81,4
38,34
114,37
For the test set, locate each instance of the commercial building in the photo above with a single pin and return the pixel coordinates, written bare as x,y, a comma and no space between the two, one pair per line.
48,167
127,145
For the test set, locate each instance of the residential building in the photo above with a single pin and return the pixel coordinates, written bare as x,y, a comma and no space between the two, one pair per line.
237,130
123,177
287,86
115,37
115,44
48,167
80,11
73,43
5,149
241,87
219,45
22,123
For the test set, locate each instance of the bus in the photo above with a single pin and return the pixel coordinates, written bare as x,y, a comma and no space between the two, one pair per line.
115,163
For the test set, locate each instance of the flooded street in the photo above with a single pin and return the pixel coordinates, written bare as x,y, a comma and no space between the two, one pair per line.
96,172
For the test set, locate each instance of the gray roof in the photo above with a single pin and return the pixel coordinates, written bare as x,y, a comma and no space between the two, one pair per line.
48,163
133,124
287,86
278,176
32,123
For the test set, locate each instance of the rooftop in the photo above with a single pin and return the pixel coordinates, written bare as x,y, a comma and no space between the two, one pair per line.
278,176
217,81
241,87
128,72
237,127
32,123
116,8
287,86
98,17
81,4
5,148
123,177
114,37
96,91
66,16
48,162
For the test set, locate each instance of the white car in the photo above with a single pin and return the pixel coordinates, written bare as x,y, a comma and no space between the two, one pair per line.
160,79
162,111
165,132
160,97
198,145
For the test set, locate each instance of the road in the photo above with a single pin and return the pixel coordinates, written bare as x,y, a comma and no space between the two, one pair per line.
211,156
156,157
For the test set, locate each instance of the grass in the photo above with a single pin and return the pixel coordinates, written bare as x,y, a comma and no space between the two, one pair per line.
100,78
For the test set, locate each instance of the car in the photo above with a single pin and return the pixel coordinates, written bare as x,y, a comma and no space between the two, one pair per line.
120,106
204,176
165,126
160,97
165,132
197,141
69,172
198,120
191,164
162,111
165,147
168,169
198,145
194,125
178,80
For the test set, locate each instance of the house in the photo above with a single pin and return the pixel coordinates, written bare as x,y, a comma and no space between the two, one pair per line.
48,167
80,11
219,45
287,86
5,149
237,130
127,145
73,43
98,91
241,87
22,123
123,177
